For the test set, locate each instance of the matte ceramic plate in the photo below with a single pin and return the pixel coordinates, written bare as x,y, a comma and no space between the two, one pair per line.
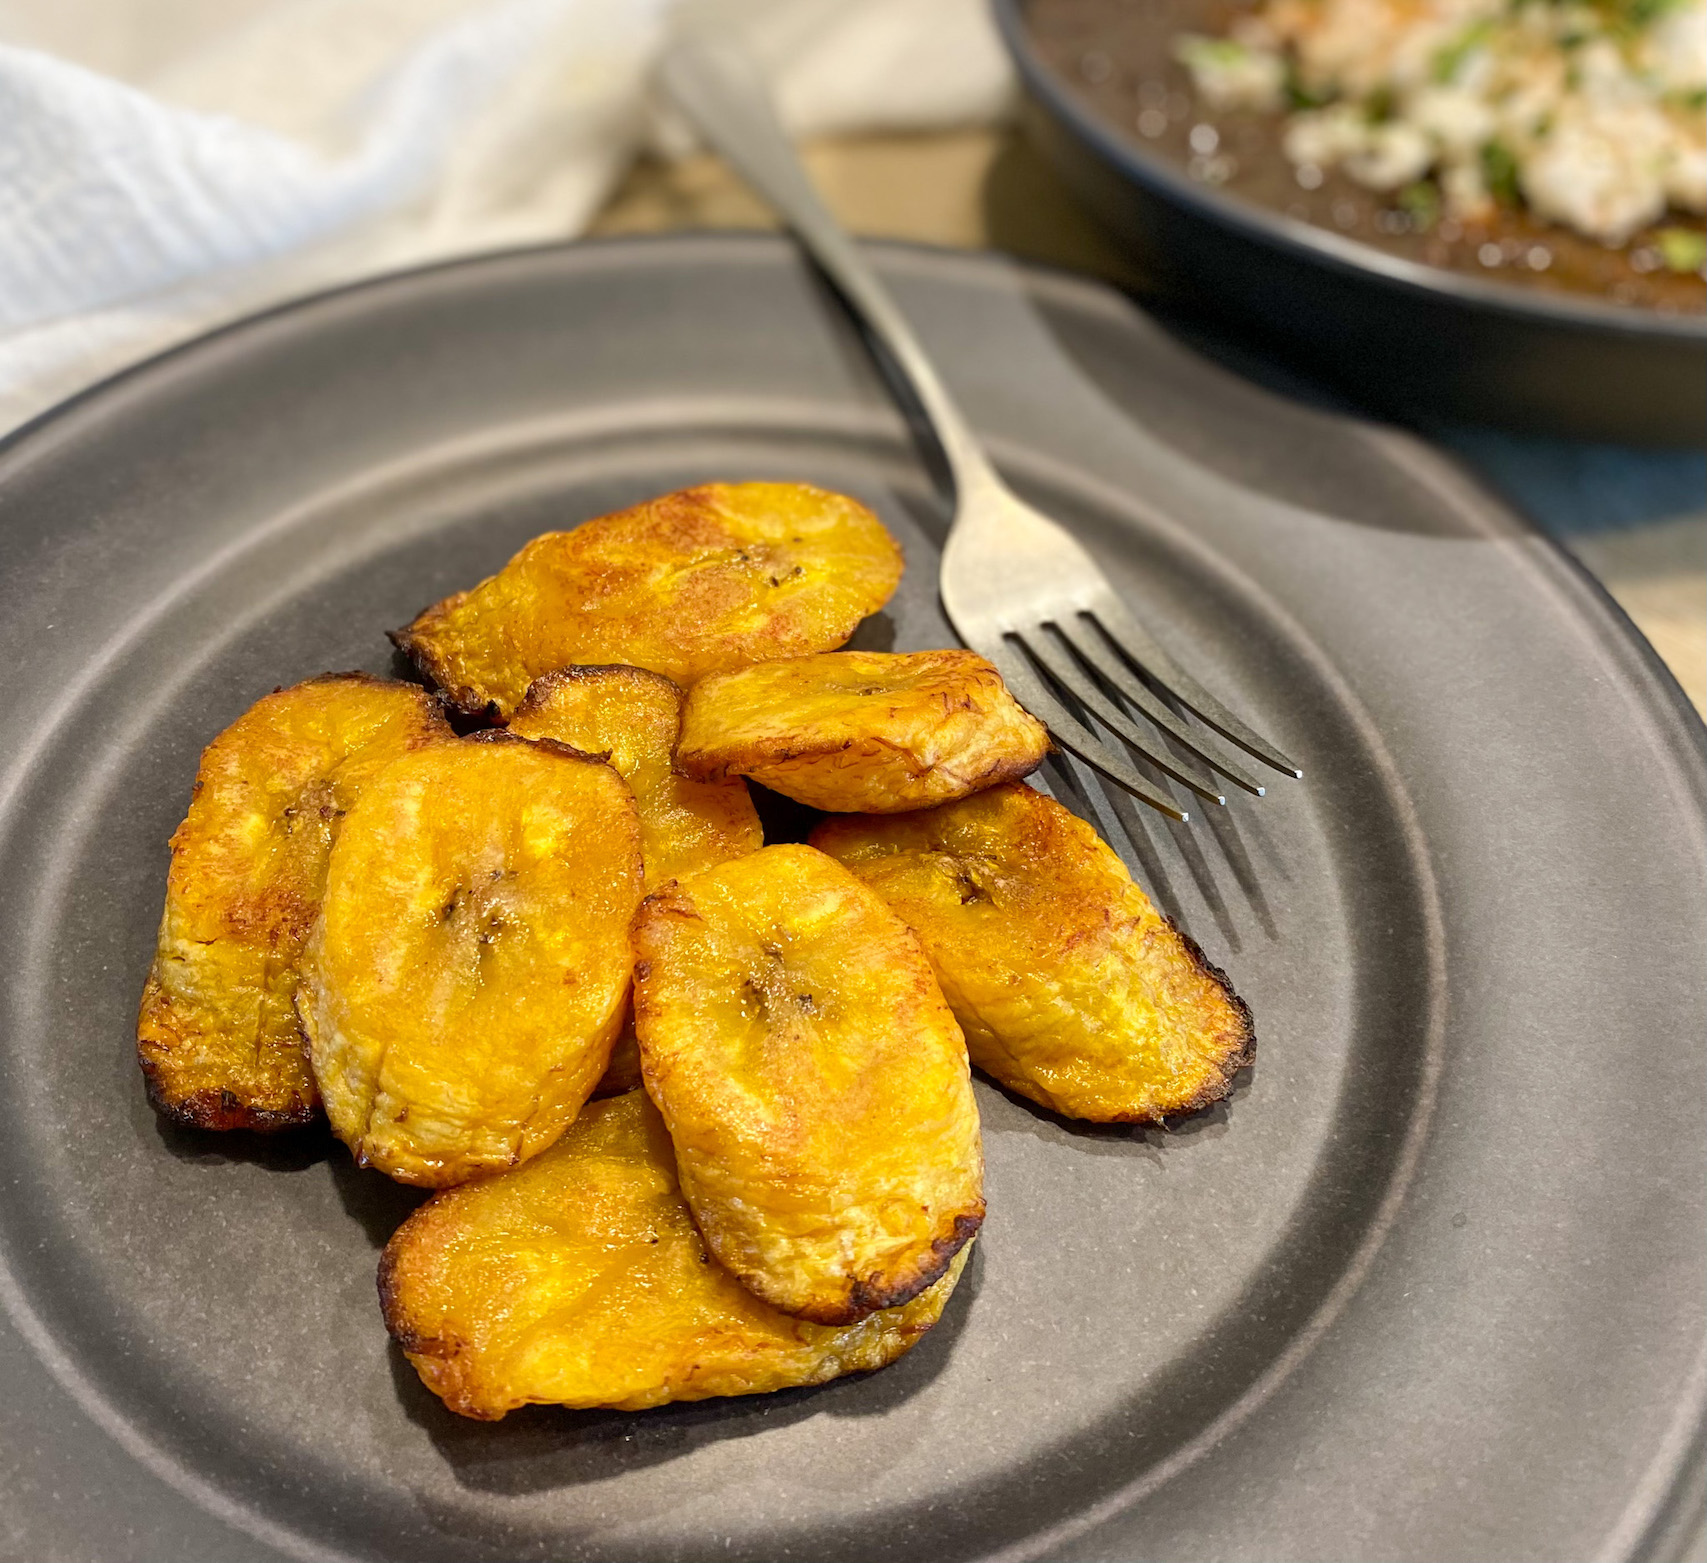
1430,1285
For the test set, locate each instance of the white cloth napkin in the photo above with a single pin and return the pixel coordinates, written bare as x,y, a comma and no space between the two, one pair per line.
169,164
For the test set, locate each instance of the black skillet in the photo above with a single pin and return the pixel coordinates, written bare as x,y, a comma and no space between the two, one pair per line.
1415,341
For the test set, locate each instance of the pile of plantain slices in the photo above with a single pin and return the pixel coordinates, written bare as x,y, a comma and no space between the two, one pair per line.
698,1110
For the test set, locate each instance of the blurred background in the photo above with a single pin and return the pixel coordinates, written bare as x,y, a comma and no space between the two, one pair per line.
167,165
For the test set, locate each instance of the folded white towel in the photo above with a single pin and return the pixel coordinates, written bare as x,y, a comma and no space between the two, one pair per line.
158,176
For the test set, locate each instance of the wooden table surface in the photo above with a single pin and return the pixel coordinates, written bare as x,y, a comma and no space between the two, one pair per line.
1638,520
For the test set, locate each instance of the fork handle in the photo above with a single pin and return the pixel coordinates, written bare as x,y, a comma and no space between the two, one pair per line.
717,86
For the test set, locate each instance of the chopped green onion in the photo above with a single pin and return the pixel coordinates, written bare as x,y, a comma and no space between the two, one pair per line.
1499,172
1298,96
1192,50
1448,61
1682,249
1421,202
1638,14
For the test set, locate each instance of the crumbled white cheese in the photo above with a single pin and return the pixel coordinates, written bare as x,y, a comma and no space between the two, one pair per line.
1231,76
1592,112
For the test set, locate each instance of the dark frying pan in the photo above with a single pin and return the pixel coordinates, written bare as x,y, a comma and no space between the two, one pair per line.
1415,341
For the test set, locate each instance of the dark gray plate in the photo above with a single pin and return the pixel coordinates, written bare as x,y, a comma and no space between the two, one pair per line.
1430,1286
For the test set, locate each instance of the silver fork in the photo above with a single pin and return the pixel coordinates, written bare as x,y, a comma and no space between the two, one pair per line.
1017,588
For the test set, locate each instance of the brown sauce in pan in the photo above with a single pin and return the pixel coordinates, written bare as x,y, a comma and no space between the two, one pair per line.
1117,56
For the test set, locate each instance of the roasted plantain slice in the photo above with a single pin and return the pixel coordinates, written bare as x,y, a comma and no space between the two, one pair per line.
866,732
813,1080
468,972
1073,989
633,718
579,1280
217,1037
693,583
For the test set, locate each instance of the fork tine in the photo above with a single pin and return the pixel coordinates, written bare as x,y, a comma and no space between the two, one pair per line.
1135,644
1067,730
1092,651
1072,681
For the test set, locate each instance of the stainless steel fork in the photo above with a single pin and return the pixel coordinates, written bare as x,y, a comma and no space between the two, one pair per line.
1017,588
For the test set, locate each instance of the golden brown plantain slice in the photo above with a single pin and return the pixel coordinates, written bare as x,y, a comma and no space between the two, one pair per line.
862,732
579,1280
1072,988
633,718
217,1036
813,1080
469,969
689,584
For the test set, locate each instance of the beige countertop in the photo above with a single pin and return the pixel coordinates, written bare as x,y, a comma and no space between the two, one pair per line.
1638,522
